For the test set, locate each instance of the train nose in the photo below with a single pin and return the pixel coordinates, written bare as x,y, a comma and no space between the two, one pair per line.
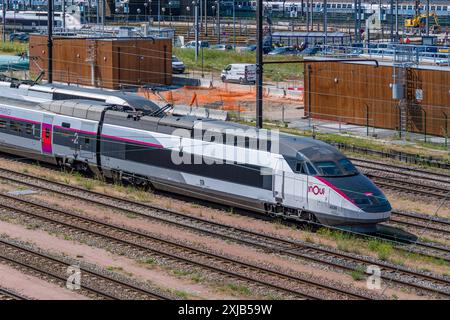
363,193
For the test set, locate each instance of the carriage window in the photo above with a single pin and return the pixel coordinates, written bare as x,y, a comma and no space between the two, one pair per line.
66,125
29,128
2,124
87,140
15,126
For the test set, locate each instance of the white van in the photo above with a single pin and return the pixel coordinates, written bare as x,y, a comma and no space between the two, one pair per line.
240,72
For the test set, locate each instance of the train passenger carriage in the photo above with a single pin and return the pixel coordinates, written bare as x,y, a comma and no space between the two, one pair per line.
277,174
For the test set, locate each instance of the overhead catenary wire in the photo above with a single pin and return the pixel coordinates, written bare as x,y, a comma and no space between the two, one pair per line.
372,111
436,86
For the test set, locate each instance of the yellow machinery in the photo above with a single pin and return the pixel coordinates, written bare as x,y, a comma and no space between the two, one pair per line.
420,19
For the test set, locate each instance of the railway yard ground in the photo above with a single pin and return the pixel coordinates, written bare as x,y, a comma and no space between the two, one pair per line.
176,248
351,200
145,244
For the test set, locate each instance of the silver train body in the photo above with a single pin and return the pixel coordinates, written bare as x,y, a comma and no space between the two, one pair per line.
37,20
302,178
294,8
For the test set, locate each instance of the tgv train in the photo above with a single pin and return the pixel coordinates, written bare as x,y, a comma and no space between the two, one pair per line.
35,20
129,138
294,8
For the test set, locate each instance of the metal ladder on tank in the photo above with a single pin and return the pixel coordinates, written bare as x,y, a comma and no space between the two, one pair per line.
403,61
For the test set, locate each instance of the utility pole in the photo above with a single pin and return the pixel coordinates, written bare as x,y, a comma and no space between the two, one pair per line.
428,17
97,13
4,20
206,18
391,13
200,12
234,23
325,20
218,21
159,17
307,16
50,41
63,4
196,5
396,21
103,14
259,62
356,20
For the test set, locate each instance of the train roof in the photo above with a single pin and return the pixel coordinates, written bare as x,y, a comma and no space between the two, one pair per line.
58,92
79,108
19,103
290,146
314,150
129,98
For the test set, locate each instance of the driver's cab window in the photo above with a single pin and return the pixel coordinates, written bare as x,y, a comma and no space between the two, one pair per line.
300,167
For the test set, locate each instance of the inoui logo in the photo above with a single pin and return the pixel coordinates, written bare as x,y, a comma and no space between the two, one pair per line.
316,190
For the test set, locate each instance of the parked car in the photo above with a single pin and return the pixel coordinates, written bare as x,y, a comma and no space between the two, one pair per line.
239,72
201,44
357,52
19,36
310,51
177,65
251,47
222,47
443,62
284,51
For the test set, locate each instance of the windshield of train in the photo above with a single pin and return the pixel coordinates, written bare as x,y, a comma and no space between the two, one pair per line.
348,167
330,168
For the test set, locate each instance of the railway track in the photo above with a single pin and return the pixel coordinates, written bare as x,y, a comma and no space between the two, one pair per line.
430,223
93,284
414,220
296,249
398,184
404,183
401,170
144,243
6,294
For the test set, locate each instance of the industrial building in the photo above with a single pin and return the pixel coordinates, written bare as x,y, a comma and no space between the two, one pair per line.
413,98
112,63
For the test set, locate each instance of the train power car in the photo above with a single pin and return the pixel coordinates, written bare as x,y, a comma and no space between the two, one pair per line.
276,174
